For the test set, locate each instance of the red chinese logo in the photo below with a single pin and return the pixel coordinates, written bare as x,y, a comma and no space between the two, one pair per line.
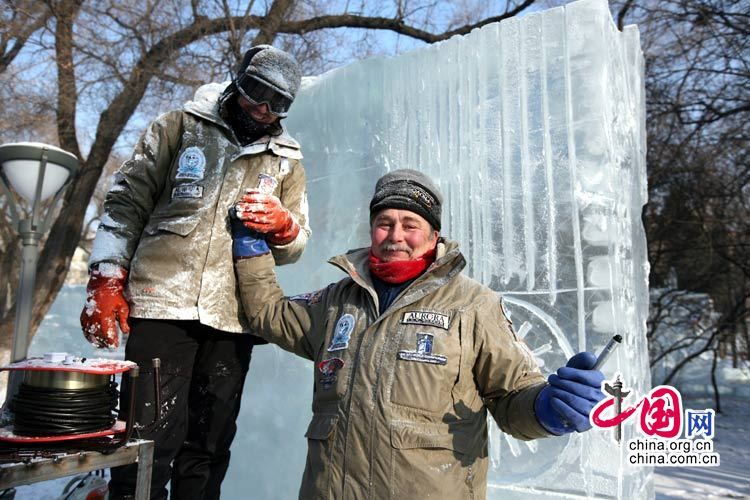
660,412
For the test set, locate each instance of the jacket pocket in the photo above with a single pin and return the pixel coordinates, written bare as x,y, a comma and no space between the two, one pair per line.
406,437
427,366
320,435
182,226
431,462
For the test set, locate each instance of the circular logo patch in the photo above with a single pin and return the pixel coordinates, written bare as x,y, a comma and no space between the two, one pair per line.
192,164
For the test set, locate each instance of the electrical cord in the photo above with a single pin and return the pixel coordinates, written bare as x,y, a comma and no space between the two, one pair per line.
42,411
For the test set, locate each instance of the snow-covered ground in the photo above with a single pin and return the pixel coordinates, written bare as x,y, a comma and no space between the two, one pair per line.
732,440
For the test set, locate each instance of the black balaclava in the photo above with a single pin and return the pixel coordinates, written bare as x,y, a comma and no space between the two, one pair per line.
244,127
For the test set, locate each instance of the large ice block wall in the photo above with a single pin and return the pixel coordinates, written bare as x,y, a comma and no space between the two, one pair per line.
534,130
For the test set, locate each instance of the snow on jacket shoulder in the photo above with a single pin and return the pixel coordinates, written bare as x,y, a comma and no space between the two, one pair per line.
166,215
400,399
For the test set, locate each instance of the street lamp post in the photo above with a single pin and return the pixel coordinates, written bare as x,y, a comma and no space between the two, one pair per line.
36,171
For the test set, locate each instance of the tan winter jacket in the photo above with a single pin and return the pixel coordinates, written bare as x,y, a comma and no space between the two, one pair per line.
400,400
166,215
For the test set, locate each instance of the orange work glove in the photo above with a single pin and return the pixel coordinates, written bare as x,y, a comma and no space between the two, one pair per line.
263,213
105,304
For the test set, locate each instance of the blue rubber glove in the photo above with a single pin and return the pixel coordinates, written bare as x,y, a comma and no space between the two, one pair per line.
245,243
564,405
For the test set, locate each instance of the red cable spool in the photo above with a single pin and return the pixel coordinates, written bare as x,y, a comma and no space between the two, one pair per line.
60,373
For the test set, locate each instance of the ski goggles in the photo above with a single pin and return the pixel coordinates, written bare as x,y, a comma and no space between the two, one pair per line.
258,92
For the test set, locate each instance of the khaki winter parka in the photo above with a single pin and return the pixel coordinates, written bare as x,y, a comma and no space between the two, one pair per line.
400,399
166,214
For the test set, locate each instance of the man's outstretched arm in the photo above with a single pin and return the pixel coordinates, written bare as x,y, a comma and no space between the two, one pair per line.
291,324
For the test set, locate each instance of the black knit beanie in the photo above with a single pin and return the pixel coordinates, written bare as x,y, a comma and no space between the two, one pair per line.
408,190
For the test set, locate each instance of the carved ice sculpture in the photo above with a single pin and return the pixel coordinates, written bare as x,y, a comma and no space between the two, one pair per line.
534,130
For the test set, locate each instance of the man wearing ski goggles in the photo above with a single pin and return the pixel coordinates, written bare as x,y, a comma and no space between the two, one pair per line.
258,92
198,175
261,93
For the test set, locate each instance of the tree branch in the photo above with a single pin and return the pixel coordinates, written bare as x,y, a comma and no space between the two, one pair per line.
269,27
67,97
623,12
21,37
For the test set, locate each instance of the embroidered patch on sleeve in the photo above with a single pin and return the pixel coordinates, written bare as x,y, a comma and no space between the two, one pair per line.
328,368
342,333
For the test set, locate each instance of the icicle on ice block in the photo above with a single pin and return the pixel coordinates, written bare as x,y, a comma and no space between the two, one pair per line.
534,130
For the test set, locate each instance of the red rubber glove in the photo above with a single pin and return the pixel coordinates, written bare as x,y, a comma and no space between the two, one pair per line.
263,213
105,304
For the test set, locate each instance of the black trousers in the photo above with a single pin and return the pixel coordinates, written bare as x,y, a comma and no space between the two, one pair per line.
202,375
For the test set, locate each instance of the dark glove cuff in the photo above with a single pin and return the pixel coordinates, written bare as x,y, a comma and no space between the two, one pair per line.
249,246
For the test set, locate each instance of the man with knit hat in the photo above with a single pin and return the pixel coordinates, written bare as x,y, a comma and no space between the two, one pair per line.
410,355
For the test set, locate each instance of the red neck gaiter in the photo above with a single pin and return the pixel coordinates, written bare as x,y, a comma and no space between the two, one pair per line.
400,271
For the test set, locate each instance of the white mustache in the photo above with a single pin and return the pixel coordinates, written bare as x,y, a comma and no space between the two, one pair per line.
395,247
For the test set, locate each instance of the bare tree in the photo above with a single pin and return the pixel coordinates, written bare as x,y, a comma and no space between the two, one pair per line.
698,216
21,19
